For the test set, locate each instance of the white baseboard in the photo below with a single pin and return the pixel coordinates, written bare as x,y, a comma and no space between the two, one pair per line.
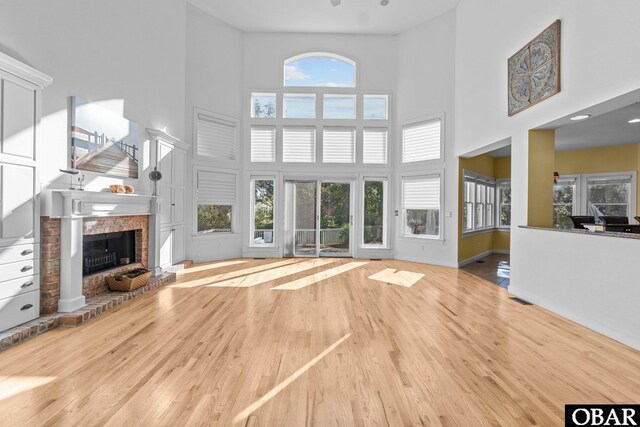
482,255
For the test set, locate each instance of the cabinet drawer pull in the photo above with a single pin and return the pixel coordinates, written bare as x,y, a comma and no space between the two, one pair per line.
26,268
26,307
26,252
26,284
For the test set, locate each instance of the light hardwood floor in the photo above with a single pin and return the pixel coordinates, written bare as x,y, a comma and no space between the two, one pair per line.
309,342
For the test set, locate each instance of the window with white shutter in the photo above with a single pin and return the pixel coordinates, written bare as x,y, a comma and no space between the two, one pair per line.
299,144
374,146
263,144
422,141
215,197
338,145
421,206
215,137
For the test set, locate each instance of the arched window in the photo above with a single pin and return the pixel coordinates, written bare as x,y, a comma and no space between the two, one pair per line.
318,69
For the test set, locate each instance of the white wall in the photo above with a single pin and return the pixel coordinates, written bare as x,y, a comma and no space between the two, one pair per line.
120,50
599,39
592,280
264,56
426,64
214,64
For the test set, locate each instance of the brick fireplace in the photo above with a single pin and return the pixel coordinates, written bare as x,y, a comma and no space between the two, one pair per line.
92,284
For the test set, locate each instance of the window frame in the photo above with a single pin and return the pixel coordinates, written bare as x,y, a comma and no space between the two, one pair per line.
319,54
385,210
375,96
502,182
575,205
252,201
351,129
254,95
194,194
490,184
584,193
416,122
275,142
203,159
440,173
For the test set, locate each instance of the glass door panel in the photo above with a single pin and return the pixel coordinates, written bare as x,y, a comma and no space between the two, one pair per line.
335,218
305,213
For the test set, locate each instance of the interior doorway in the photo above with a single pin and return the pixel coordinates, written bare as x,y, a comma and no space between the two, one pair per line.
319,218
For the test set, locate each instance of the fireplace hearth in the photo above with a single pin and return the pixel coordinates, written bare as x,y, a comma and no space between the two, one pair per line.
105,251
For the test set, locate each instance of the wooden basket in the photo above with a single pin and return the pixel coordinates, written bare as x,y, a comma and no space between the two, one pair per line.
125,284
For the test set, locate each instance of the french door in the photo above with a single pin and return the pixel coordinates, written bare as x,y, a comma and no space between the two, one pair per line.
319,218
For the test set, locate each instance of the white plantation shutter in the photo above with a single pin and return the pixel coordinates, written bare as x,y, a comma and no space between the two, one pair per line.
216,188
374,146
421,193
338,145
263,144
215,137
299,144
421,141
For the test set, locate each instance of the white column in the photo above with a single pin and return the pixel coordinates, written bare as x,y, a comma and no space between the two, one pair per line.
71,297
154,238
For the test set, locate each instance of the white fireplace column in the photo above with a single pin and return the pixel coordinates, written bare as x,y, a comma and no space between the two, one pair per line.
71,297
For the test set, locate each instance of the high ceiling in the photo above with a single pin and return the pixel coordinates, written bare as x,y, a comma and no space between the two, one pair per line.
319,16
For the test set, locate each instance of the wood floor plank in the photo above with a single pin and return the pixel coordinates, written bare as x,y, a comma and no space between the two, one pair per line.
450,350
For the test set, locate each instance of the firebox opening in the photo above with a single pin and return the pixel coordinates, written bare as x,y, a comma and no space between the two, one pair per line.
102,252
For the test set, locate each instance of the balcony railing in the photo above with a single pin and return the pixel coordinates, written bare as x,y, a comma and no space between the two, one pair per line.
328,236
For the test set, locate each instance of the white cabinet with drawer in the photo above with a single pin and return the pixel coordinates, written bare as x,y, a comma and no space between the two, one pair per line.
20,105
19,309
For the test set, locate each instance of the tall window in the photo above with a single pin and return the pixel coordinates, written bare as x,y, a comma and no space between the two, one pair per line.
479,208
319,91
374,226
262,211
564,195
504,203
421,206
422,141
215,198
319,70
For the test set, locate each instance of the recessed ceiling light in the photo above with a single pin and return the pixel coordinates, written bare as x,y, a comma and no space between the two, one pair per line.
580,117
634,121
384,2
335,2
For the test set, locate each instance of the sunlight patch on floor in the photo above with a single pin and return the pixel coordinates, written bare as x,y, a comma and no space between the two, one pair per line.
269,275
277,389
397,277
232,274
318,277
11,386
206,267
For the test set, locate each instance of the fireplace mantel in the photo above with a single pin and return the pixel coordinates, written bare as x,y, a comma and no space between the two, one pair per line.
83,204
72,207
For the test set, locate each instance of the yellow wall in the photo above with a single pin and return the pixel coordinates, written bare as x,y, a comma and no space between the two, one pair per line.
502,168
621,158
476,244
541,168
